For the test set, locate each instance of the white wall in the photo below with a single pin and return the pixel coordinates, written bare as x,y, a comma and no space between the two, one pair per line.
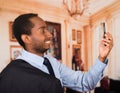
5,17
115,56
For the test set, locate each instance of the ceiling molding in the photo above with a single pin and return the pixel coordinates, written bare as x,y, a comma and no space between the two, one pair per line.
26,6
106,12
45,10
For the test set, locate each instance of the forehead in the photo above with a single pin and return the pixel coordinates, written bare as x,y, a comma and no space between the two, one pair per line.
37,21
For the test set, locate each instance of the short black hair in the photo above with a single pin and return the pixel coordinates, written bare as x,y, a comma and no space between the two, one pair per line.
23,25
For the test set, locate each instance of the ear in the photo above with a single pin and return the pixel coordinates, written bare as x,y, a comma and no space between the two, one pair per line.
26,38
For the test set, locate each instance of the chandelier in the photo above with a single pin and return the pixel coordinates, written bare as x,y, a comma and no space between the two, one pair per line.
75,8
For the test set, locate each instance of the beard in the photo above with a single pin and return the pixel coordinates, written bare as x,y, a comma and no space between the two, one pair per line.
40,50
41,47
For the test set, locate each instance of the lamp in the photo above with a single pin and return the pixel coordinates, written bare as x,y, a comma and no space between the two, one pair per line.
75,7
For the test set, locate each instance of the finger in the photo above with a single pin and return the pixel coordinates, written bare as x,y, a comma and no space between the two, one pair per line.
108,42
108,46
108,36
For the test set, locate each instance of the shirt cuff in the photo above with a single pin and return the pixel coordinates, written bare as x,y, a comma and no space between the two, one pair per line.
100,66
105,62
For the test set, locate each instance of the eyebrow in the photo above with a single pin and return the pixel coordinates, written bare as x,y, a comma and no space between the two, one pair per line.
42,27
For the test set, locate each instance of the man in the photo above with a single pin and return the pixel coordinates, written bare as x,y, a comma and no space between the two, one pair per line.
28,74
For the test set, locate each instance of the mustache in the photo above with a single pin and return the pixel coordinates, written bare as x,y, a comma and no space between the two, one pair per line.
48,39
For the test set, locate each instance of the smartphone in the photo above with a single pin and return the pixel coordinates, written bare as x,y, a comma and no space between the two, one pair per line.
104,29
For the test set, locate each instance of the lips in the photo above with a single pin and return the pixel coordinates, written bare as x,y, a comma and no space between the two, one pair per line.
48,42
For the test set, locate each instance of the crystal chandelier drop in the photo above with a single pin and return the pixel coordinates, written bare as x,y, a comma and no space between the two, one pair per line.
75,8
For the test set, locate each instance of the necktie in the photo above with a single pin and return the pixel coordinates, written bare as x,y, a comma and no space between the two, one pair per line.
49,67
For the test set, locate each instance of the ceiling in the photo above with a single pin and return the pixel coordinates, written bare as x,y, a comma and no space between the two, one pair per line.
93,7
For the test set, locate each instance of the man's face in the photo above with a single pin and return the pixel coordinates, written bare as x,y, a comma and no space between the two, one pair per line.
40,36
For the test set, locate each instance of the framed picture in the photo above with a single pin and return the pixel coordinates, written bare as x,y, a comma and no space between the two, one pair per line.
15,51
76,47
79,37
11,35
73,34
77,63
55,30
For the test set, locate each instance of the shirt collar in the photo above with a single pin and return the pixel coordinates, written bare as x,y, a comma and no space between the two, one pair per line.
31,58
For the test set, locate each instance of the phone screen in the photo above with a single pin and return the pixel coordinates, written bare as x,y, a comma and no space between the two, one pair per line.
104,30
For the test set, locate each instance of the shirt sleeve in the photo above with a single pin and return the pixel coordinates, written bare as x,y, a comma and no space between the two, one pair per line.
82,81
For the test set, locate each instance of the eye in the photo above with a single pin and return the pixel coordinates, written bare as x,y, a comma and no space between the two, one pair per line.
45,30
42,30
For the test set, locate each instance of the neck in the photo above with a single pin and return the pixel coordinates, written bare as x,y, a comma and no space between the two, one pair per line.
37,53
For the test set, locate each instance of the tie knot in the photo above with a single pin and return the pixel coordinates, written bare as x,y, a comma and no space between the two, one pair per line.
46,61
49,66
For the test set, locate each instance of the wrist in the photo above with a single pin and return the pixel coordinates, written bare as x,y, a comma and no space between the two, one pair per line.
102,59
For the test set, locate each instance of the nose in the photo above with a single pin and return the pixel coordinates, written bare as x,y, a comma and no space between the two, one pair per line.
48,34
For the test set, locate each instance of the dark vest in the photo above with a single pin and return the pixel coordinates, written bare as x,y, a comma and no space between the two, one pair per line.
21,77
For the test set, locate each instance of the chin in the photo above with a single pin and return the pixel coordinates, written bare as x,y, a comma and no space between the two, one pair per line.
47,48
43,51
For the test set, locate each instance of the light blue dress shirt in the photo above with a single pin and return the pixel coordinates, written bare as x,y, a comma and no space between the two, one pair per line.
77,80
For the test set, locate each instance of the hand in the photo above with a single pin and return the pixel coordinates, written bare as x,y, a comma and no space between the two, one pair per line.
105,47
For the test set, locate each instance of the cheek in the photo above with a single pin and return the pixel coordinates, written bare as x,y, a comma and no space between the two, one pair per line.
38,38
38,42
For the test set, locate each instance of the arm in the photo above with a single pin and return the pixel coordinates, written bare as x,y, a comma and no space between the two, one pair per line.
80,81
